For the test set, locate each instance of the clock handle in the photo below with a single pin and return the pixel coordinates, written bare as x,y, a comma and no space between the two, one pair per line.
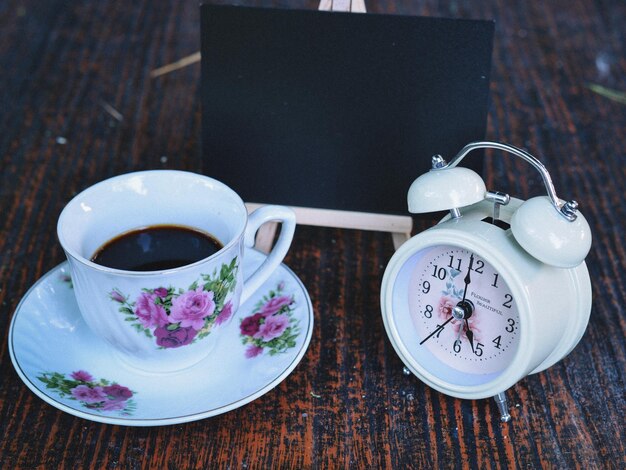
566,209
503,406
561,239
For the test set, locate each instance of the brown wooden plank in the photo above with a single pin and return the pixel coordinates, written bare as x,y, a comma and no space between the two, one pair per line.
348,404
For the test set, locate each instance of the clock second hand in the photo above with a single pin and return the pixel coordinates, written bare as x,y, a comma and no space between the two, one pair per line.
437,330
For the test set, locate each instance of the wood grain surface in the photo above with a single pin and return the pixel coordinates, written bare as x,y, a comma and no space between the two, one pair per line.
78,104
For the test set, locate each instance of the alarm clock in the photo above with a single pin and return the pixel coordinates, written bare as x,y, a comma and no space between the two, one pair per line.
497,290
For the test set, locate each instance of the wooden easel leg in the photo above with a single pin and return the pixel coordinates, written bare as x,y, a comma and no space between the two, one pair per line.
399,238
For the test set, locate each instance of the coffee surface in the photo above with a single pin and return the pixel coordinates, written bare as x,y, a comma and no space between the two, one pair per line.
156,248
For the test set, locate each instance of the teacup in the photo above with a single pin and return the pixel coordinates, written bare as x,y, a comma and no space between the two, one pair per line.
166,320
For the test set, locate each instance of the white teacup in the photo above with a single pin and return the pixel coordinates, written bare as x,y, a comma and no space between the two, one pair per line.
163,321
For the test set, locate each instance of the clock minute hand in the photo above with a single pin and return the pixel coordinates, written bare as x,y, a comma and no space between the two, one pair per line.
467,279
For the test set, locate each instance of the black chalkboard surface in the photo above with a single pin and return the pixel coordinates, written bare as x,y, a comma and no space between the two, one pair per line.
337,110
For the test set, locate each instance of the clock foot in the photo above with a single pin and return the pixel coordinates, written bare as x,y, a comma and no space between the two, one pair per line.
503,406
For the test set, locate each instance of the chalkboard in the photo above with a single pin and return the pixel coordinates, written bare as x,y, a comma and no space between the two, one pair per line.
337,110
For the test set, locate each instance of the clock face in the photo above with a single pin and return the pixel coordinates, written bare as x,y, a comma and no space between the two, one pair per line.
462,311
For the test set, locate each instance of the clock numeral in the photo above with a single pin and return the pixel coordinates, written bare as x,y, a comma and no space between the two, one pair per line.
439,273
428,313
497,340
438,330
479,266
511,326
509,300
478,348
458,263
425,287
495,280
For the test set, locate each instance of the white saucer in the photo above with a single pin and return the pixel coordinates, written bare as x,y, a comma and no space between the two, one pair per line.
64,363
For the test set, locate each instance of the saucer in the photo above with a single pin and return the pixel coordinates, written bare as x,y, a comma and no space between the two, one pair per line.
59,358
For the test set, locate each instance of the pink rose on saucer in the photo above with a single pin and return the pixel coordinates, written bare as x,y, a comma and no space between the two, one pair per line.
250,325
113,406
190,308
148,312
274,305
87,394
253,351
273,327
81,376
95,394
117,392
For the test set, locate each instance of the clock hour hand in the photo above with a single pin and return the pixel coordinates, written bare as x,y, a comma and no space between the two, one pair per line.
437,330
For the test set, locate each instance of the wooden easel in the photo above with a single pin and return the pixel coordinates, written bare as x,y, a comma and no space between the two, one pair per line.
399,226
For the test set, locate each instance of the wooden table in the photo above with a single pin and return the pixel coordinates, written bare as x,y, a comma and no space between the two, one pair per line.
79,105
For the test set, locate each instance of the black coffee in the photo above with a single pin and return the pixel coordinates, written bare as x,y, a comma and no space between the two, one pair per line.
155,248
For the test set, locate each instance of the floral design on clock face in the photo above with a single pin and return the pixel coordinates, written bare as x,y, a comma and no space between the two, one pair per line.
463,310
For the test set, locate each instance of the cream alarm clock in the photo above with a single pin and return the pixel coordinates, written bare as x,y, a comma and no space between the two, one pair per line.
497,290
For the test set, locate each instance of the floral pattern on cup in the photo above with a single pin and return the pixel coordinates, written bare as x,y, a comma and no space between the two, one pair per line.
178,317
271,325
96,395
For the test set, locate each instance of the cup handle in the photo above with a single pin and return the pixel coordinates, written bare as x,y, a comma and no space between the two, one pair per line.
260,216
